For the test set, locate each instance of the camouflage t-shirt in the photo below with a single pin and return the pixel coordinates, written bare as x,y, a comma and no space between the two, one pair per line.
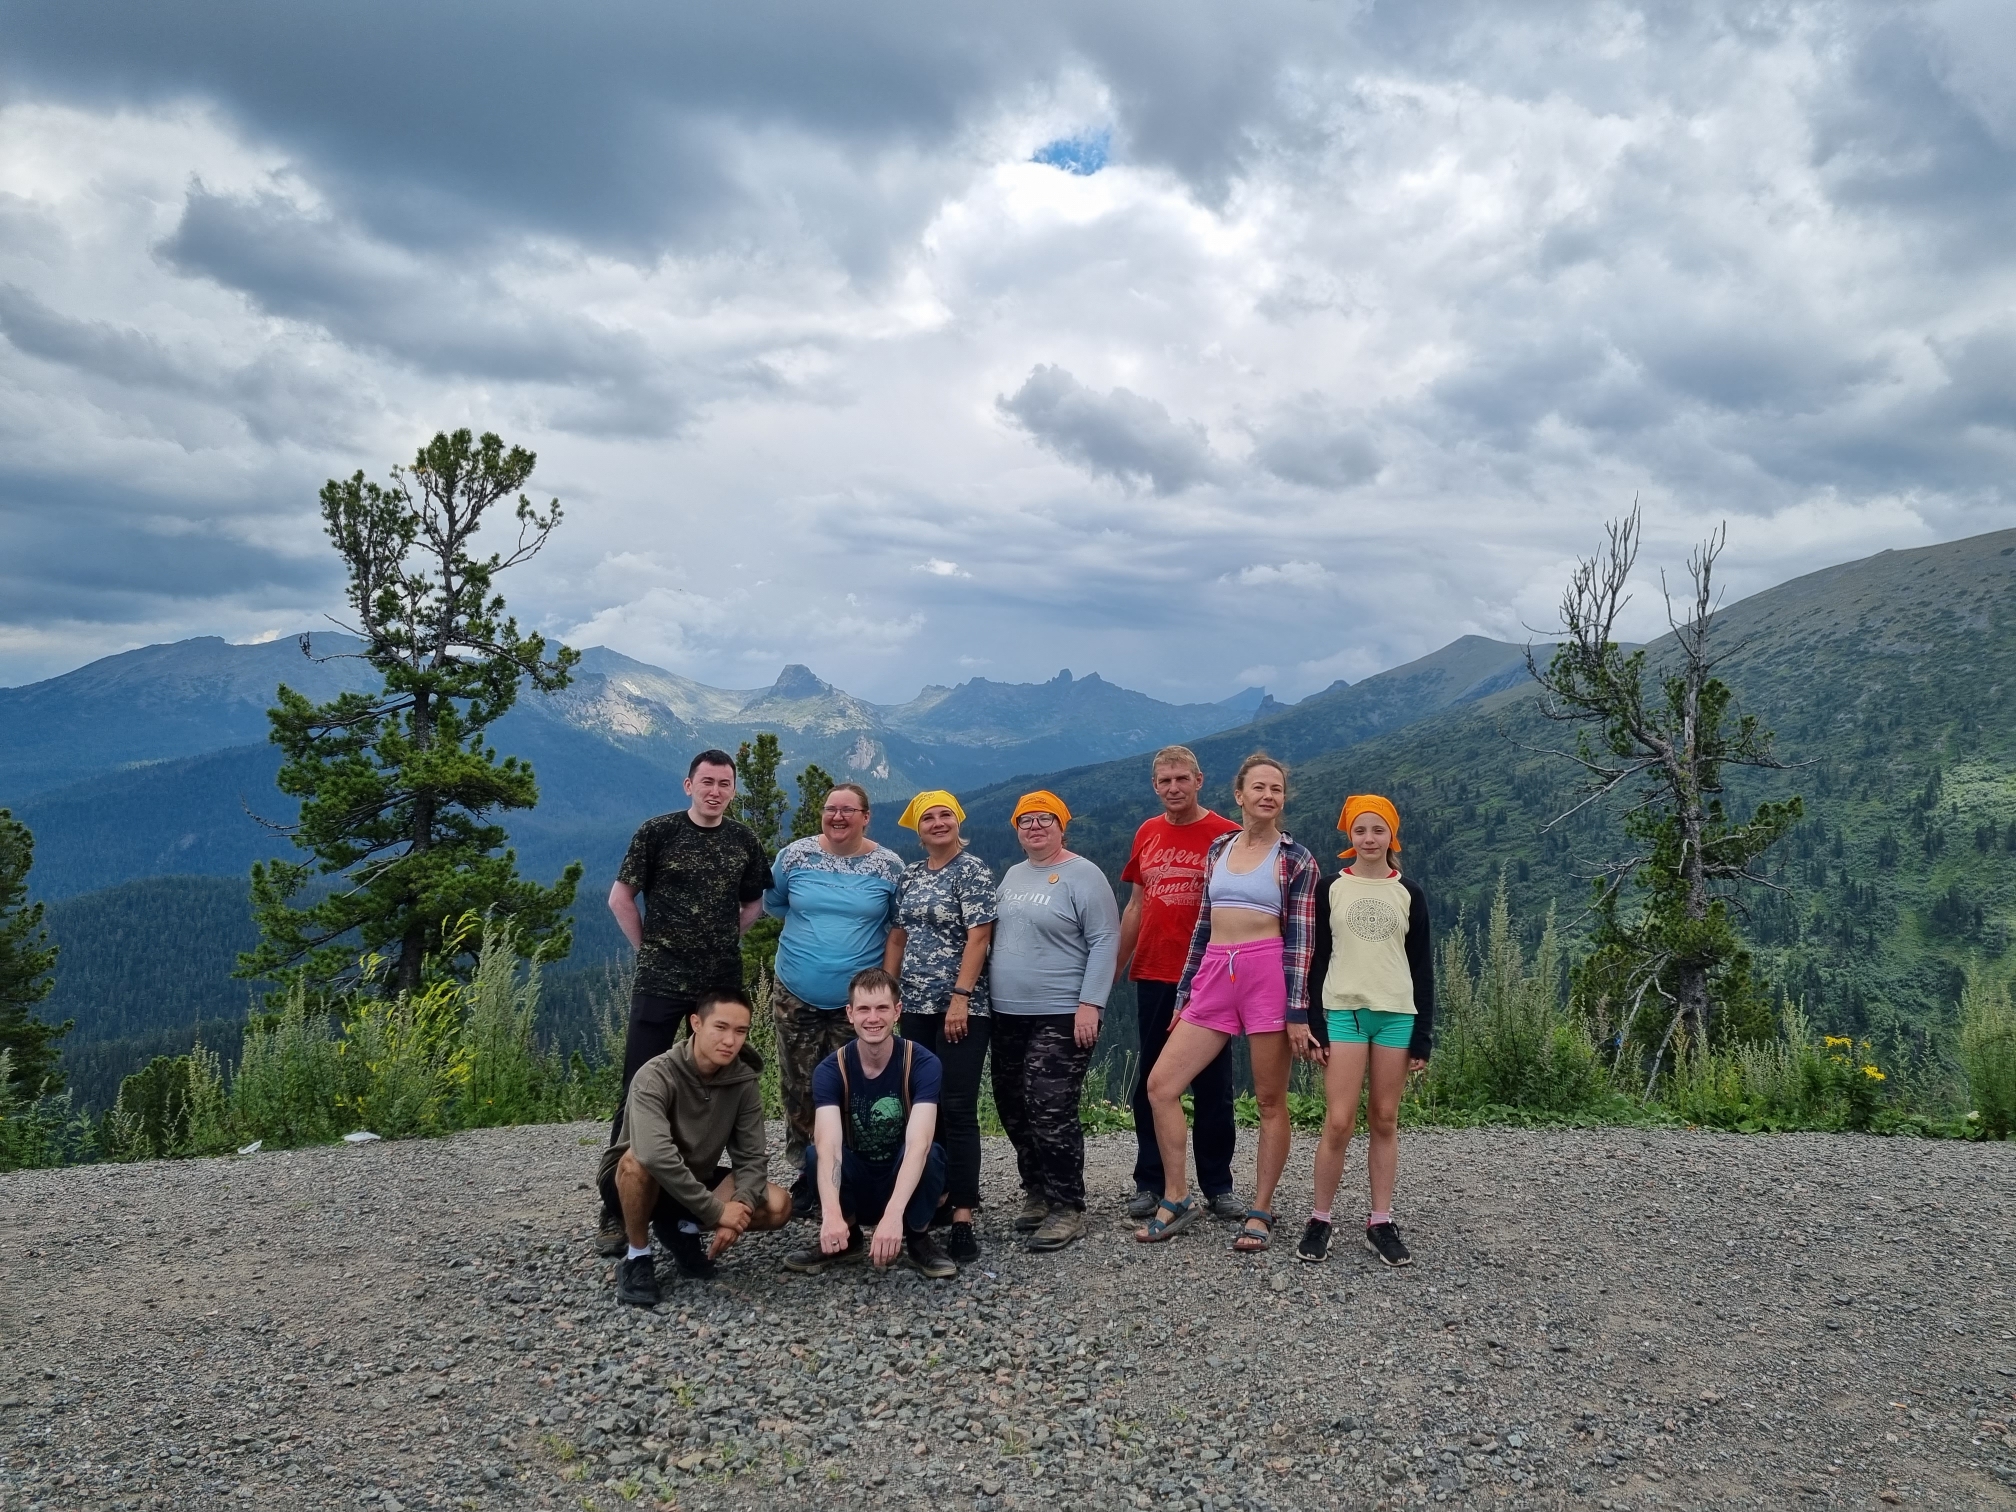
694,881
935,910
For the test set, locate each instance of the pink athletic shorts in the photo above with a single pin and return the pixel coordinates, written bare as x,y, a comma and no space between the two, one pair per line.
1240,989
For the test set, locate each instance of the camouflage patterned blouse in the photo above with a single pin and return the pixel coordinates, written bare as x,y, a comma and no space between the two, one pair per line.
694,881
936,909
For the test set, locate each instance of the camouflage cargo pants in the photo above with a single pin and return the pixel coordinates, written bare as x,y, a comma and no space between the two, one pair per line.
1039,1071
805,1036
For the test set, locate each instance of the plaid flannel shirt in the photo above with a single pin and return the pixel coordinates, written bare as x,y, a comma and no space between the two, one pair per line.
1296,869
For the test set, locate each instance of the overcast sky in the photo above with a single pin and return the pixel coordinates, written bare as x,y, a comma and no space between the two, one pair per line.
1195,344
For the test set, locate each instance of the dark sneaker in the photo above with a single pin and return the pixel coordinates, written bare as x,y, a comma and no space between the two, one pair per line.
1314,1246
1384,1241
610,1240
805,1198
637,1282
687,1251
811,1260
1224,1206
1062,1226
1142,1204
928,1258
960,1243
1034,1211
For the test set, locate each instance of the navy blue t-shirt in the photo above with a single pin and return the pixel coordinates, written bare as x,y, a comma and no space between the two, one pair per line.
877,1112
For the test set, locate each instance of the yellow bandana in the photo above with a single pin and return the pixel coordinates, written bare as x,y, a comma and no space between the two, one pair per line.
930,800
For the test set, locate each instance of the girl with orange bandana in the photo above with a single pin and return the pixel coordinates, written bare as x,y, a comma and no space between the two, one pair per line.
1375,1007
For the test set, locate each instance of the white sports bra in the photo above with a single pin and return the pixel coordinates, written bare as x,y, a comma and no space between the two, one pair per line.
1258,890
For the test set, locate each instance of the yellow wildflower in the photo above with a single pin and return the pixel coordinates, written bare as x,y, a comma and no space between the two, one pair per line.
1872,1073
1837,1041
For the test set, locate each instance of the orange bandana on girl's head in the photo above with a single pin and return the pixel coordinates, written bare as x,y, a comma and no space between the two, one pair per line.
1369,803
1042,801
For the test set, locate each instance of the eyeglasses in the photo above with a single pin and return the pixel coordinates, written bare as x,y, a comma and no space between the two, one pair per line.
841,813
1036,821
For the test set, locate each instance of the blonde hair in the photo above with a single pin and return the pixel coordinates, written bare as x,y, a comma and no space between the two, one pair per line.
1175,755
1259,759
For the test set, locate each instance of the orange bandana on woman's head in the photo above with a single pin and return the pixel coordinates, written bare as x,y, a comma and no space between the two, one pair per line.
1042,801
1369,803
935,798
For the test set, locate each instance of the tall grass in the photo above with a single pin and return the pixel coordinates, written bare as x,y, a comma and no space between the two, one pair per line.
1988,1054
456,1056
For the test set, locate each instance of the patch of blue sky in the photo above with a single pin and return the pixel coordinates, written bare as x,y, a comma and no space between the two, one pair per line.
1084,154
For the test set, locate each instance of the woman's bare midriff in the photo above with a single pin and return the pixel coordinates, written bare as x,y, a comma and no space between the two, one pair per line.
1242,926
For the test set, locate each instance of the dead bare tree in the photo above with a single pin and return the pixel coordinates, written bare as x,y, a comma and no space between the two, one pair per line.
1664,732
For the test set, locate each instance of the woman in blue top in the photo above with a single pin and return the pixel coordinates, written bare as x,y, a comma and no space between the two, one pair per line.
836,893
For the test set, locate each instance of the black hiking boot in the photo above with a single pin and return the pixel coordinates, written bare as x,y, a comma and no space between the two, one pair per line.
927,1257
1384,1241
811,1260
637,1282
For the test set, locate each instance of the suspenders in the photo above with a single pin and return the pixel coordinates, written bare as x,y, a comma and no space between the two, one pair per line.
847,1092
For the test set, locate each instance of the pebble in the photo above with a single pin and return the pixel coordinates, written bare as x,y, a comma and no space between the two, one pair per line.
1603,1314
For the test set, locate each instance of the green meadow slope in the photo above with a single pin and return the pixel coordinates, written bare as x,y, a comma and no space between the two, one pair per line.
1887,680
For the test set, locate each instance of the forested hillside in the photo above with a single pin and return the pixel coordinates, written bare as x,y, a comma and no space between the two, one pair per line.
1889,683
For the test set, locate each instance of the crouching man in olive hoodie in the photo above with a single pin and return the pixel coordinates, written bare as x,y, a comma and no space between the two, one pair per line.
688,1109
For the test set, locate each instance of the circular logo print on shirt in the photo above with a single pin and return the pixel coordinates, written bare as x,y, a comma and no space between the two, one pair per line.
1053,879
1371,919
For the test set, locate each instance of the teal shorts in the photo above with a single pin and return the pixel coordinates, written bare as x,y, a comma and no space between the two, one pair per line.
1357,1026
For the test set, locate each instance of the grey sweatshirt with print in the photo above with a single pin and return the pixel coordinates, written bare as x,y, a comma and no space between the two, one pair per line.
1056,938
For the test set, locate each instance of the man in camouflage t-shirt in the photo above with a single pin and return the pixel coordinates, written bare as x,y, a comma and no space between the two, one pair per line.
701,878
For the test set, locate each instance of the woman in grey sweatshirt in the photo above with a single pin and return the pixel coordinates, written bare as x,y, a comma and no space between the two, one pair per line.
1056,944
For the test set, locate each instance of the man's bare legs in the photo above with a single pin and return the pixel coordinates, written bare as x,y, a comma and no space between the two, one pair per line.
637,1190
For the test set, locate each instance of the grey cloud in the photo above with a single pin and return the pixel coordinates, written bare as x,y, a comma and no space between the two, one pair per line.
1307,443
443,313
144,555
94,346
1118,435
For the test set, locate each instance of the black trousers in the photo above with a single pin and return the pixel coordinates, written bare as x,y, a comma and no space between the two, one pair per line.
655,1025
1211,1129
958,1099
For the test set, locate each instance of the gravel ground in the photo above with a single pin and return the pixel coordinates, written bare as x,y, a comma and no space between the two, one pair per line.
1605,1319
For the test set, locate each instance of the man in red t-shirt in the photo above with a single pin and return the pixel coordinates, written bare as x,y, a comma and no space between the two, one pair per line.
1167,870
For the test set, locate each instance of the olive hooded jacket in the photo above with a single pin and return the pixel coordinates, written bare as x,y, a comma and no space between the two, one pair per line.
681,1125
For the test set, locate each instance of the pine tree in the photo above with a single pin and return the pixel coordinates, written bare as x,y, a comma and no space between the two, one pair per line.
759,799
813,786
398,787
26,960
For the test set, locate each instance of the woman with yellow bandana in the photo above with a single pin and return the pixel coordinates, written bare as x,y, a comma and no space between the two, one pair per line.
1373,981
938,950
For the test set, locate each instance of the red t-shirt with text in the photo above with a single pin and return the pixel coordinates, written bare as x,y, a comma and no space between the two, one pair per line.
1168,866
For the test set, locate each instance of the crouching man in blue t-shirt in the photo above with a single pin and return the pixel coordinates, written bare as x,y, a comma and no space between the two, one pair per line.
875,1110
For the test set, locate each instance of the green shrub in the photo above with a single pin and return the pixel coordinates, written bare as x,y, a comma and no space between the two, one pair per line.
1988,1053
499,1073
150,1118
290,1084
1505,1036
42,1131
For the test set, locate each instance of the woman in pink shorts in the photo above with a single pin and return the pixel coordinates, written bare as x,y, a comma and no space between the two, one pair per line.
1248,973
